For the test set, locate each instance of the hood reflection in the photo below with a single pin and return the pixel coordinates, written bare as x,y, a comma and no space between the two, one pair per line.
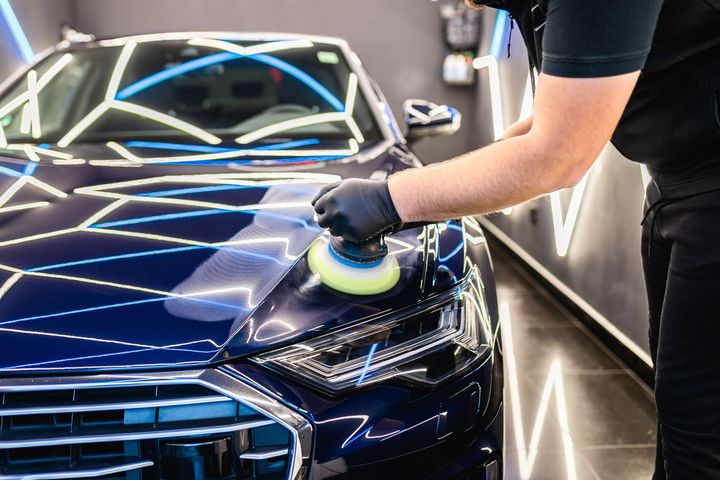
253,261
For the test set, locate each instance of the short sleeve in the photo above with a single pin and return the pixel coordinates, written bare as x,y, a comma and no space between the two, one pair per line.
597,38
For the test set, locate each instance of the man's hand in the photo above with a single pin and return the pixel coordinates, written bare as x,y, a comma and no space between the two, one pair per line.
356,209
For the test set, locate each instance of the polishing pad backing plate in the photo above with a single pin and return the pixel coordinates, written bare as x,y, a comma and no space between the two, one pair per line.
347,278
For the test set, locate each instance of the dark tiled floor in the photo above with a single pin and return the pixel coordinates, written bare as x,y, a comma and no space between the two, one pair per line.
609,413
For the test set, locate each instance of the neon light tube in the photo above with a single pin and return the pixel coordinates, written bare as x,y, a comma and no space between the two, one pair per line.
498,33
490,62
564,228
17,31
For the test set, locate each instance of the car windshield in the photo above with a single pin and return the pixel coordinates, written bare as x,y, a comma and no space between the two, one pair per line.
202,89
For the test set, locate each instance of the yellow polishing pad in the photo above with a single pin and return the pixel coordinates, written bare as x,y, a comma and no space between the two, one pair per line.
348,277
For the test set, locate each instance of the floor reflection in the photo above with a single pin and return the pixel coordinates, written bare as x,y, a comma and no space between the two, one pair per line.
573,410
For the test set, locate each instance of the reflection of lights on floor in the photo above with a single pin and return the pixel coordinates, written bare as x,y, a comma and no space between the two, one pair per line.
527,454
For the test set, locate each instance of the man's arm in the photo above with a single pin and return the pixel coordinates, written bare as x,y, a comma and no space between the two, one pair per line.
521,127
573,120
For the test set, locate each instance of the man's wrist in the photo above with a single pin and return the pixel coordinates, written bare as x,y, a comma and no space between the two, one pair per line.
395,186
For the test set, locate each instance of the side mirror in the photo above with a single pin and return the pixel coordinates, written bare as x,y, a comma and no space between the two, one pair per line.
426,119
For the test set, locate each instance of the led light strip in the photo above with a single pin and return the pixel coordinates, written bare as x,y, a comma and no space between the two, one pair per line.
491,63
564,228
17,31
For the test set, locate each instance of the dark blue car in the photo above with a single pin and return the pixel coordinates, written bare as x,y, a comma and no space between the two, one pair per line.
158,318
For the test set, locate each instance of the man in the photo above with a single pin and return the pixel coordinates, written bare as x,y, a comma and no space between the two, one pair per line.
646,75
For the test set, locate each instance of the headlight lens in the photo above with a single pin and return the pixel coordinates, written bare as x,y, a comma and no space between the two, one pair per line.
438,340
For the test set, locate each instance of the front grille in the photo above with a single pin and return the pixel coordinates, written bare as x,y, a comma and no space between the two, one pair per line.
139,429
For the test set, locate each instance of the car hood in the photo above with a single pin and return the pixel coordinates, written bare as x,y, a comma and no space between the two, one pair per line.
138,265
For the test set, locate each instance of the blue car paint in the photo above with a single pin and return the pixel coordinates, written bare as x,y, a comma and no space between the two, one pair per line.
54,321
55,324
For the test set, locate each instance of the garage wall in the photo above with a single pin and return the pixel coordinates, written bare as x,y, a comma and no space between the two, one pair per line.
400,41
602,269
41,20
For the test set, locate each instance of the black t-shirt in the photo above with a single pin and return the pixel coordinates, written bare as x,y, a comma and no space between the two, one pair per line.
596,38
672,121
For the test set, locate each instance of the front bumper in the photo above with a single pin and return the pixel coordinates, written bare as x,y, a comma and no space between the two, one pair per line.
393,430
385,431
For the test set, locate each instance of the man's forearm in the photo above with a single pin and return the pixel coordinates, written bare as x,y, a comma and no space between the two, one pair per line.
489,179
574,118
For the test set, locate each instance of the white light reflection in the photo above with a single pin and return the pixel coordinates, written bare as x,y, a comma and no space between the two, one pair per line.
287,327
252,50
166,120
123,152
24,97
309,120
33,108
363,420
250,179
352,149
110,103
527,454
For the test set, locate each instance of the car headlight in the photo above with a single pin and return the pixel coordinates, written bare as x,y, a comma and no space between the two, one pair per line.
437,340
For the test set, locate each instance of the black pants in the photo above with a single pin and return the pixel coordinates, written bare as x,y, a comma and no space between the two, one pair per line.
681,259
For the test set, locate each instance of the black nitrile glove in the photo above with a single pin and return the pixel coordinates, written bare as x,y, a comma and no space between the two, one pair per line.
356,209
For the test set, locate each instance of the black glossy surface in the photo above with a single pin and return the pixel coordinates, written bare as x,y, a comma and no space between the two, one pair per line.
610,412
